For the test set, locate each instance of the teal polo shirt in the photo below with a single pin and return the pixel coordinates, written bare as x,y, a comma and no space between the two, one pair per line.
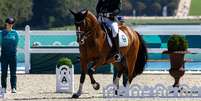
9,41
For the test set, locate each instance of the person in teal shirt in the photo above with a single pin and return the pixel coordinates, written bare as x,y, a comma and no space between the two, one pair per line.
9,41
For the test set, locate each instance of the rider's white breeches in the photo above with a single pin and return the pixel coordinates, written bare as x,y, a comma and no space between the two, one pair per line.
112,24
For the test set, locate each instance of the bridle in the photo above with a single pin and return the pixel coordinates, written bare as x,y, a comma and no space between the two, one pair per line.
82,35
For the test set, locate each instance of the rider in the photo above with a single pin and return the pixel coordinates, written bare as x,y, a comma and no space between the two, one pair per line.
107,10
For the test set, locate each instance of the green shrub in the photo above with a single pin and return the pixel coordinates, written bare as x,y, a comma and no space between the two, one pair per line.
177,43
64,61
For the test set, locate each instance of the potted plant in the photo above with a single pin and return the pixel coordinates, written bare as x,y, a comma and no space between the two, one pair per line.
64,61
177,48
64,75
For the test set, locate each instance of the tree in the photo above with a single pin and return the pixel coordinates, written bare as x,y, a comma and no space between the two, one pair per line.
140,7
21,10
127,8
42,9
62,14
171,7
163,2
56,13
155,9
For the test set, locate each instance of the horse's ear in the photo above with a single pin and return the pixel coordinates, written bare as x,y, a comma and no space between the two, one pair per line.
72,12
85,13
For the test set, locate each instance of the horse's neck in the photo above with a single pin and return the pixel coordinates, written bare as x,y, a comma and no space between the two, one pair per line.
97,31
96,27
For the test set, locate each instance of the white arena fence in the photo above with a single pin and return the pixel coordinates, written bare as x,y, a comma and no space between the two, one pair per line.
28,33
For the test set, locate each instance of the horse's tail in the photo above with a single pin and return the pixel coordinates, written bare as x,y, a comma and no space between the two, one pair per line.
141,57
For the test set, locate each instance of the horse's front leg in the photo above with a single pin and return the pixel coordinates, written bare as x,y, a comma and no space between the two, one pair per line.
91,71
82,79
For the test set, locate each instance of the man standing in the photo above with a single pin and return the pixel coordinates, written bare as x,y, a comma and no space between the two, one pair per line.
9,43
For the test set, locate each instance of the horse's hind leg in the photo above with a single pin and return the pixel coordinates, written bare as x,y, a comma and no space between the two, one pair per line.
122,68
82,79
117,76
125,76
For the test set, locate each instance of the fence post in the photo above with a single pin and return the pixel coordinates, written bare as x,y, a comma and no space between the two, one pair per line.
27,49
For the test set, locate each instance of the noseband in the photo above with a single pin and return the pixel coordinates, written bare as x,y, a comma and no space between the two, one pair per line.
82,35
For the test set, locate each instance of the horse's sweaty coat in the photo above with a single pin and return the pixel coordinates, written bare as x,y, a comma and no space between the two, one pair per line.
94,49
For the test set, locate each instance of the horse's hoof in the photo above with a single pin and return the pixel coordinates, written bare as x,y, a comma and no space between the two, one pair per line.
96,86
75,95
116,92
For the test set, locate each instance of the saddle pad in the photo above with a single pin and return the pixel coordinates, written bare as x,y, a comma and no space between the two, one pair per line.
123,39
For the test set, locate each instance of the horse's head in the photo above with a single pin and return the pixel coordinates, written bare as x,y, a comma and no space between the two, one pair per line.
82,26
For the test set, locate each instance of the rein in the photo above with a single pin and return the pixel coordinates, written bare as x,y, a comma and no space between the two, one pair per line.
84,35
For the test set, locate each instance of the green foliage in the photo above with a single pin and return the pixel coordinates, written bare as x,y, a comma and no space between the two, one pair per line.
64,61
172,6
21,10
127,8
154,7
55,13
177,43
195,8
163,21
140,8
45,14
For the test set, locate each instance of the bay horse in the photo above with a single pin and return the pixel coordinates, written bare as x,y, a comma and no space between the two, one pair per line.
95,49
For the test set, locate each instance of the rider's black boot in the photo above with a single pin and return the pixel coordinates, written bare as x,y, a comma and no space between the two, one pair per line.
115,49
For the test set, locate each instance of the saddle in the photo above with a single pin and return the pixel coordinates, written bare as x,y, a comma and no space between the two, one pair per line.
123,40
108,30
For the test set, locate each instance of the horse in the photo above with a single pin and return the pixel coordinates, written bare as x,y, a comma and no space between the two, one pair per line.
94,48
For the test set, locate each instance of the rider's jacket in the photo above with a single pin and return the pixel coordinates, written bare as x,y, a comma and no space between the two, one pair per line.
108,7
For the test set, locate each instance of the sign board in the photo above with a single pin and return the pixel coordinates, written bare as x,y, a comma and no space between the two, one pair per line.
65,79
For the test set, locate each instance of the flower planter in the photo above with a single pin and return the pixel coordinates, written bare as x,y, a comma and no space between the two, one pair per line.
177,63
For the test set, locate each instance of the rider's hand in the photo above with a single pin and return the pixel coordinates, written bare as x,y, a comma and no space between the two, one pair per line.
115,12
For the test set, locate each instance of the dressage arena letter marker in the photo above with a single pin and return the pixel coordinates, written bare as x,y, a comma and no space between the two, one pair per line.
65,79
158,90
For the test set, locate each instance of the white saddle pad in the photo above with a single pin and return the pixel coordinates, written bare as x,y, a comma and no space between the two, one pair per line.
123,39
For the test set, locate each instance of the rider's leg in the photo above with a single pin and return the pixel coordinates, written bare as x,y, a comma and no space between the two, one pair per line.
115,31
115,38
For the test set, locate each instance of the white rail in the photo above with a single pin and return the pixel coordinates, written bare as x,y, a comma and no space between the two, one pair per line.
28,50
160,50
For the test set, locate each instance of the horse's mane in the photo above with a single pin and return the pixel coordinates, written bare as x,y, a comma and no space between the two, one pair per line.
94,21
92,17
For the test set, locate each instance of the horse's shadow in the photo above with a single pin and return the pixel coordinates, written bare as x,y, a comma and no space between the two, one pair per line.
55,97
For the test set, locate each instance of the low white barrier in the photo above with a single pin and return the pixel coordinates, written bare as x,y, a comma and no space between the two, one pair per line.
146,91
1,93
153,30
